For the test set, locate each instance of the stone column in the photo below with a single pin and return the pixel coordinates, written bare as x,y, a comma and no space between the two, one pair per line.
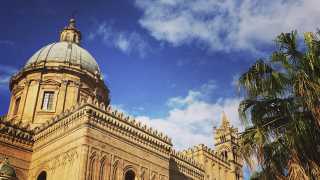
62,97
84,153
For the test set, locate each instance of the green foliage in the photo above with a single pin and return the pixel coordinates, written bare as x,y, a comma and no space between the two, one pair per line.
281,110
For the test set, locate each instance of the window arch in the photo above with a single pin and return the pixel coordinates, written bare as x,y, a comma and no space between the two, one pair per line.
224,155
130,175
234,152
16,106
42,176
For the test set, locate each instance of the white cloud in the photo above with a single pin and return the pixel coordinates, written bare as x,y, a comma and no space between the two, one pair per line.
122,43
128,110
120,107
127,42
226,24
191,118
194,95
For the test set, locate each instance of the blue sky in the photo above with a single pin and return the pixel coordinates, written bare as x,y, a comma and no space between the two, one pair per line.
170,63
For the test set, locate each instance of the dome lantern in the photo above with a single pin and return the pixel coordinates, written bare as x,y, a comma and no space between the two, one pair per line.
70,33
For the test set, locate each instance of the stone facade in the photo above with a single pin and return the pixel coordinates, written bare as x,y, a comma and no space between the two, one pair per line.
60,126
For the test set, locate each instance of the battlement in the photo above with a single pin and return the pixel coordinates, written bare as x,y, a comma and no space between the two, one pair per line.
187,165
183,157
106,118
16,133
206,149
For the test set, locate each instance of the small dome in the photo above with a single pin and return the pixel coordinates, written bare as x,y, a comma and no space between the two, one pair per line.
65,52
6,171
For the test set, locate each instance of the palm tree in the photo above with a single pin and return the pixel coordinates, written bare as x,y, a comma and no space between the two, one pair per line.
281,110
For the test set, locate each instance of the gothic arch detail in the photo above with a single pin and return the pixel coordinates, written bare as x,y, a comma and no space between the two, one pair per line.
104,168
92,166
115,170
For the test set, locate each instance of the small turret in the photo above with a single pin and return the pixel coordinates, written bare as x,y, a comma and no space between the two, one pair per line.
6,171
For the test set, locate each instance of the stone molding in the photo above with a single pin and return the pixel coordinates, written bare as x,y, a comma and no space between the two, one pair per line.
55,67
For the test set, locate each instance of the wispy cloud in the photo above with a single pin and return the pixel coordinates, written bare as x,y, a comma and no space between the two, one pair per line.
127,42
135,111
200,94
226,25
4,79
6,42
5,74
5,69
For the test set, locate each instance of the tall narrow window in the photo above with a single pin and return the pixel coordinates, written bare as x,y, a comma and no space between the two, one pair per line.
16,106
47,102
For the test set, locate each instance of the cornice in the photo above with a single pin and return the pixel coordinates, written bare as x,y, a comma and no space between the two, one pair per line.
59,68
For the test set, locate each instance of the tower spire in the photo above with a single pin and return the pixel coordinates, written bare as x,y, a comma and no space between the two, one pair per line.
70,33
225,121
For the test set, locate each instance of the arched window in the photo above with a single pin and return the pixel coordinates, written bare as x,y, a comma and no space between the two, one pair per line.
16,106
226,155
234,151
130,175
42,176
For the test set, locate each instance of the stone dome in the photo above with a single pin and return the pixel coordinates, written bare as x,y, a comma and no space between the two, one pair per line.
66,52
6,171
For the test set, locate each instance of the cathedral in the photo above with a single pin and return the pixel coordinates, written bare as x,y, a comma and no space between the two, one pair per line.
60,126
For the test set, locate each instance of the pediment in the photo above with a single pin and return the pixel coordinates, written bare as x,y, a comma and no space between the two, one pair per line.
51,82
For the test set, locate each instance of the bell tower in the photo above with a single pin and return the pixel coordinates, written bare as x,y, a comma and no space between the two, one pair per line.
227,146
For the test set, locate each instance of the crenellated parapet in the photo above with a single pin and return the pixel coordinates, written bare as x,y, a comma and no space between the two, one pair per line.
201,148
186,159
186,165
105,118
16,133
